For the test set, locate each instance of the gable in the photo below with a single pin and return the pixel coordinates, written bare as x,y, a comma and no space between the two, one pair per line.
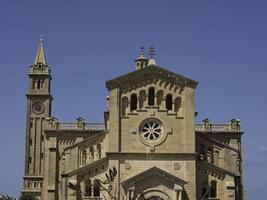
148,75
153,172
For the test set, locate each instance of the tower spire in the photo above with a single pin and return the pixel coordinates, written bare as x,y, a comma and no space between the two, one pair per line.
40,56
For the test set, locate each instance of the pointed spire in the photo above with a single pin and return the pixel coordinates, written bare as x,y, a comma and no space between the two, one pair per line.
40,57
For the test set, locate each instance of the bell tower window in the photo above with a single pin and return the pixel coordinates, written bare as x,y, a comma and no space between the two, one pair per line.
169,102
133,102
151,96
38,84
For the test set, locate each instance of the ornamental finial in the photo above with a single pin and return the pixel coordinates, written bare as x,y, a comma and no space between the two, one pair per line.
40,56
41,39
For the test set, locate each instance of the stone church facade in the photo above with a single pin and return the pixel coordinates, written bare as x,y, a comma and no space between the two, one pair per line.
149,146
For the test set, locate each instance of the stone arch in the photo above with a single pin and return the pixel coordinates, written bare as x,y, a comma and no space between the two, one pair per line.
151,96
155,194
133,103
168,102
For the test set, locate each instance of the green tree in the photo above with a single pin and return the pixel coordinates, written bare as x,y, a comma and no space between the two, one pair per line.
27,197
6,197
105,185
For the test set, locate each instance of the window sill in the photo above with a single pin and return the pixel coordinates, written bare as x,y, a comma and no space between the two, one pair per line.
152,107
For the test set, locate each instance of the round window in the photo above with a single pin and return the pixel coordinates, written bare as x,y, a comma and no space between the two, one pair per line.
151,129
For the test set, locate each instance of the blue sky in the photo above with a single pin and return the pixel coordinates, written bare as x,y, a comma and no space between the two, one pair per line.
221,44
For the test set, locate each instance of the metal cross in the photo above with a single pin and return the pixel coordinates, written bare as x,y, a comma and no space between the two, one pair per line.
151,52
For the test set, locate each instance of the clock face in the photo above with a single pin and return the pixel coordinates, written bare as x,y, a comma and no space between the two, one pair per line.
38,107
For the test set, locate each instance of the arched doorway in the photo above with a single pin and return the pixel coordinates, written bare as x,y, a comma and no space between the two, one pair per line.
155,194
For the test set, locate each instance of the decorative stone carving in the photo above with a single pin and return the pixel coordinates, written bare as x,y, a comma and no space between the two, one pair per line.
234,125
52,122
176,166
206,123
147,75
80,123
127,165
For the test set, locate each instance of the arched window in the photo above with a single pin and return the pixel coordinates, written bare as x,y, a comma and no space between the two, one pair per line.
169,102
142,98
159,97
151,96
124,105
133,102
213,189
88,188
38,84
177,104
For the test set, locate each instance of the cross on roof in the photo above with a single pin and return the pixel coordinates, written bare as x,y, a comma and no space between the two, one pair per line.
151,52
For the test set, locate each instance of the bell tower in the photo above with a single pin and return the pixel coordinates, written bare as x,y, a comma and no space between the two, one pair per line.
38,108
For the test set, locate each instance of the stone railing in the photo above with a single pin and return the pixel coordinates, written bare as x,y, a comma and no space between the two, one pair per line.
95,126
67,126
33,184
86,126
41,70
207,126
53,124
214,127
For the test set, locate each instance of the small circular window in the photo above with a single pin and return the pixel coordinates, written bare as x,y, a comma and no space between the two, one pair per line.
151,129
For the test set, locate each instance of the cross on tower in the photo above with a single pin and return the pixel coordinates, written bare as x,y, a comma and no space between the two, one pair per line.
151,52
142,49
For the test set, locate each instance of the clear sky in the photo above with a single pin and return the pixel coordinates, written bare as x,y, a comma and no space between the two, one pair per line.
221,44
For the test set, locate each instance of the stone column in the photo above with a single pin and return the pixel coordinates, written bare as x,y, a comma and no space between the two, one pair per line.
130,193
178,192
163,103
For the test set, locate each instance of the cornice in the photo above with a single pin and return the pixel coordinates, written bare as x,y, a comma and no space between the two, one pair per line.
33,96
148,75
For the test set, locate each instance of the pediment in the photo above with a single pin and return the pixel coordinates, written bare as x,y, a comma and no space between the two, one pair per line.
152,174
147,75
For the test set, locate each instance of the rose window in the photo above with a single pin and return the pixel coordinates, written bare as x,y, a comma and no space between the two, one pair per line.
151,129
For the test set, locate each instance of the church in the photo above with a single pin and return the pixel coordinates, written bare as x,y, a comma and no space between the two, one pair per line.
148,147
